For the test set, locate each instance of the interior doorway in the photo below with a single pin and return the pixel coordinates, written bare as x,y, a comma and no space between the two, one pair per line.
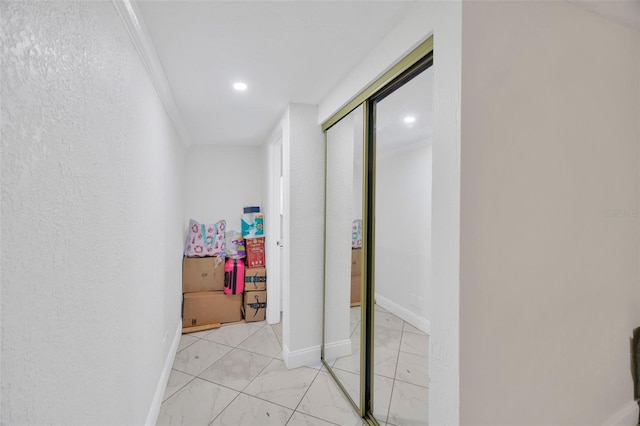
275,213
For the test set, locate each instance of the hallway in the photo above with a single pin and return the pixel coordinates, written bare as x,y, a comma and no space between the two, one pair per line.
235,376
536,201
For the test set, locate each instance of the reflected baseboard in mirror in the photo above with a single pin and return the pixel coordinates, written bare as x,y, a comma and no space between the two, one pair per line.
401,371
401,391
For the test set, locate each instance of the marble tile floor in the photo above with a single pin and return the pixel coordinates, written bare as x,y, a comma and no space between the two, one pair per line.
401,369
235,375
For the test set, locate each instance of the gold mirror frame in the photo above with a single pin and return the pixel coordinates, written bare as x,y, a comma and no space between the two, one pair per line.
408,67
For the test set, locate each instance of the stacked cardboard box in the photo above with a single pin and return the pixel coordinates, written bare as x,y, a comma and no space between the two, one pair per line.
204,302
252,224
255,281
356,275
255,294
203,278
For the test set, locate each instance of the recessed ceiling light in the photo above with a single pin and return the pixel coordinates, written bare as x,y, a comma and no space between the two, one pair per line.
239,86
409,119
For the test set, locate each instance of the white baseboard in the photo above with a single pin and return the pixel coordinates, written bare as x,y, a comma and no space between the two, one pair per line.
154,411
335,350
412,318
302,357
626,416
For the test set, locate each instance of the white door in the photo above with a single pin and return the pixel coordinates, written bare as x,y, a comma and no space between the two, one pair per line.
275,218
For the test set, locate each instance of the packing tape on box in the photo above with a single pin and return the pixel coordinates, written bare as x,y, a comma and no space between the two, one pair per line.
256,306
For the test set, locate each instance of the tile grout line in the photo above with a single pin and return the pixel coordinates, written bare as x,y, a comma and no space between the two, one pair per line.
239,392
231,347
293,411
266,400
273,358
241,342
306,391
178,390
393,384
257,353
225,408
258,375
250,336
315,417
272,402
243,350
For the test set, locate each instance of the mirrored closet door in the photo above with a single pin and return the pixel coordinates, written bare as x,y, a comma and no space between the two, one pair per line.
377,303
402,265
343,217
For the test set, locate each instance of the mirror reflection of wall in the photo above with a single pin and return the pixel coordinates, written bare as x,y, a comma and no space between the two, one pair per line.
357,165
343,208
404,123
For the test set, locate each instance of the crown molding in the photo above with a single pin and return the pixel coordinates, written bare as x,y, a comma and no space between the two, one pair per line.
141,39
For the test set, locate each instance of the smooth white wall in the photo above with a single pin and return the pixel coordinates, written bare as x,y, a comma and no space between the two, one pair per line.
92,214
443,20
340,171
285,275
303,152
549,281
403,231
271,154
221,180
358,153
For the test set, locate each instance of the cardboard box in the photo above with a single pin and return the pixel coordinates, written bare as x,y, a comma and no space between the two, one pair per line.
355,289
210,307
356,262
255,252
255,305
255,279
202,274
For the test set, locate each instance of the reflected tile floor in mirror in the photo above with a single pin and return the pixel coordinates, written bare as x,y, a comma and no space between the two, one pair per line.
401,369
235,375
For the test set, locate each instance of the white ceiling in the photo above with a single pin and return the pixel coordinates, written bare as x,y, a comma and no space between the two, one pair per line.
286,51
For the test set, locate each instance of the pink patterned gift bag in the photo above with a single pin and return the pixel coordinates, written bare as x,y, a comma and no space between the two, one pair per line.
205,240
356,234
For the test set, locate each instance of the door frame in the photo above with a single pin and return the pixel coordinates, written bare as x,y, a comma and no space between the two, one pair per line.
274,234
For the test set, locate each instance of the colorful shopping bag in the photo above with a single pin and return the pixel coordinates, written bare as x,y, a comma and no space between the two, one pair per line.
205,240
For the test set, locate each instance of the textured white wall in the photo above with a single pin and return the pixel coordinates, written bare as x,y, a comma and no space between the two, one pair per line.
304,235
549,281
443,20
221,180
403,229
92,219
